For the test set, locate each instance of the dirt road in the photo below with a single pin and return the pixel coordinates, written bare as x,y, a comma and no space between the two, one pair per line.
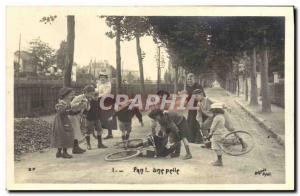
91,167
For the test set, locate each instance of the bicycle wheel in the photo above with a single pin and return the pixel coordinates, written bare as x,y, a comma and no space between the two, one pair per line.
237,143
133,143
122,155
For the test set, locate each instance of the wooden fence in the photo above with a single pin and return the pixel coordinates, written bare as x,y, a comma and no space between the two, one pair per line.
36,99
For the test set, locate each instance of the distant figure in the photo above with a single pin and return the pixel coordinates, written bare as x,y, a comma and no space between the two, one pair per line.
193,135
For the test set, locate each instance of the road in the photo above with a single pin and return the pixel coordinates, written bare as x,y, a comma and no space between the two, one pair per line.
91,167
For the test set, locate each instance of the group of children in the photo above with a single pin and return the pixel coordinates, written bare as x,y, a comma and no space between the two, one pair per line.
83,112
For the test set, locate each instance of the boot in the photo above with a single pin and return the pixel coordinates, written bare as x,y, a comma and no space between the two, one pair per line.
176,153
100,144
88,142
58,153
76,148
188,153
66,155
109,134
218,162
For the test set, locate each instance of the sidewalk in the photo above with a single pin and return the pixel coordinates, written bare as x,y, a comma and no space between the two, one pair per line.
273,122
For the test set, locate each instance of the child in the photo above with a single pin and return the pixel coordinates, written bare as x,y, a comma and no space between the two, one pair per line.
78,105
125,116
93,121
173,122
62,135
217,131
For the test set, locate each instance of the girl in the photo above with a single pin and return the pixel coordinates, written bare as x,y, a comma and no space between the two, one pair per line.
217,131
62,135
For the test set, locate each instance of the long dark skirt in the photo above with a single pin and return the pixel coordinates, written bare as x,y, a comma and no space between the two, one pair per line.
62,135
193,134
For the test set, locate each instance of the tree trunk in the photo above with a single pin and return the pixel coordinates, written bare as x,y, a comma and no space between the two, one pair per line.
176,80
118,58
140,59
158,70
70,50
253,90
238,87
246,88
266,103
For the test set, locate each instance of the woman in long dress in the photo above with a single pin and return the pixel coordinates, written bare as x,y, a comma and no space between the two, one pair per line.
193,136
104,88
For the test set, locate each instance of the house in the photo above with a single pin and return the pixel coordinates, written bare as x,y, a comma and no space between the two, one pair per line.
23,62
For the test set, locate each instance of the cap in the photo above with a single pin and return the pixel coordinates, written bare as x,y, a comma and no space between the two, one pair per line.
217,105
64,91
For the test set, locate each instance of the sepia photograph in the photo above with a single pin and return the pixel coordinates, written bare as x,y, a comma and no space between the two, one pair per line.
150,98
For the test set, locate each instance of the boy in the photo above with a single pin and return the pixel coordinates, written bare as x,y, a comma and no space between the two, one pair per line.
93,121
173,122
78,105
125,115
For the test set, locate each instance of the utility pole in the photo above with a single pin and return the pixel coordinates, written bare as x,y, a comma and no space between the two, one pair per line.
19,55
95,62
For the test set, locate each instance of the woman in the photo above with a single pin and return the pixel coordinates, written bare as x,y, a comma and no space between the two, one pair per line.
193,135
104,88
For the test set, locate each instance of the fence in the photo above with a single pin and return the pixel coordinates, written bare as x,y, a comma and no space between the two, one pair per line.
33,99
277,94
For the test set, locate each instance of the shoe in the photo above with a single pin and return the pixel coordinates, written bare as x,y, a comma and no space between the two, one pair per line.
174,155
108,137
101,146
217,163
89,147
88,142
77,150
59,154
187,156
66,155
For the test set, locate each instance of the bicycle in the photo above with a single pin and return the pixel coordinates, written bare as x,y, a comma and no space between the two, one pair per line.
132,148
236,143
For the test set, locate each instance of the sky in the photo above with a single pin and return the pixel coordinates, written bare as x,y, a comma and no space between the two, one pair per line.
90,40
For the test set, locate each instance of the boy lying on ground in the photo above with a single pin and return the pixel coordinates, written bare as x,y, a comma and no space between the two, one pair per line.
169,145
173,122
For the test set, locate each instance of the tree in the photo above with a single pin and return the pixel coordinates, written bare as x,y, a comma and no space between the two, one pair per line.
61,55
70,50
42,55
135,28
253,90
116,23
69,46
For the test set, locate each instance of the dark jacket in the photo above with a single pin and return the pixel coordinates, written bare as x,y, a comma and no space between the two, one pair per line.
126,114
94,112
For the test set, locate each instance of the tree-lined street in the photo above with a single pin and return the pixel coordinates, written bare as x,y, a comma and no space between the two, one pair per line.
92,168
